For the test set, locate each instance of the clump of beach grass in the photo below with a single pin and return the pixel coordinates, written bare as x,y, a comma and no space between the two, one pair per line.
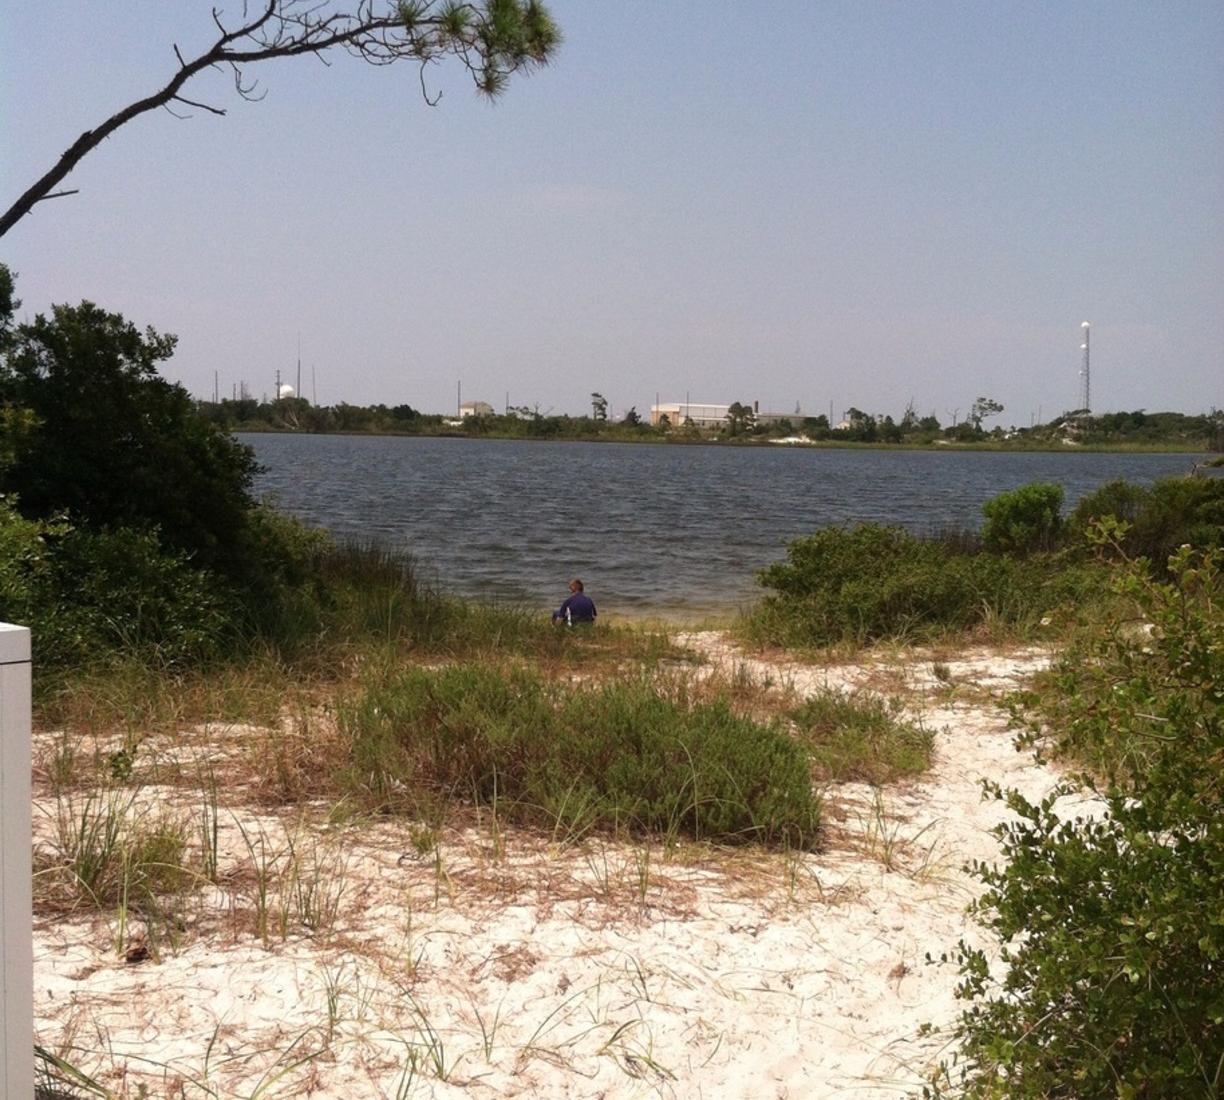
861,736
109,852
619,754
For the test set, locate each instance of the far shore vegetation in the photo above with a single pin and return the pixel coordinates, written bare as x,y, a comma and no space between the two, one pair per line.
1137,431
164,598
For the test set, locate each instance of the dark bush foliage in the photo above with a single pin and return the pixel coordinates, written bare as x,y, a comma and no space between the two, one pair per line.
86,594
1175,511
92,437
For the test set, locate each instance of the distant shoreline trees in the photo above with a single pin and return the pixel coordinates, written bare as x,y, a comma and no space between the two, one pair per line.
1123,429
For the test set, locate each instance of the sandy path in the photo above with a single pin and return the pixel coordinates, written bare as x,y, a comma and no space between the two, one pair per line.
510,965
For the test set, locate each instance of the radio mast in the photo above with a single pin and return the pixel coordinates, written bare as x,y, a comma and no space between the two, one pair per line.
1085,378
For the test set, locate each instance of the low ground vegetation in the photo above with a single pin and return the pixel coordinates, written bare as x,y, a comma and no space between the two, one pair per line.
1028,565
873,583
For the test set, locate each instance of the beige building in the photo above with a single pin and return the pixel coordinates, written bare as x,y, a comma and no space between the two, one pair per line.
680,412
475,408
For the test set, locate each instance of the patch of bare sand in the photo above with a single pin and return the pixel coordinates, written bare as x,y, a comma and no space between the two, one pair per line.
504,963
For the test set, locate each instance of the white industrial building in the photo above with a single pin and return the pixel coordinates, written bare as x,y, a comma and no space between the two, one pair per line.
701,415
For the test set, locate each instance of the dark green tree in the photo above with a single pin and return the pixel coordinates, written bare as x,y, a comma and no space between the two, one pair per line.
862,426
740,418
113,444
983,408
8,305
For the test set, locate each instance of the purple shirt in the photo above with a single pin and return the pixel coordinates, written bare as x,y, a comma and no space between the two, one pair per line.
579,608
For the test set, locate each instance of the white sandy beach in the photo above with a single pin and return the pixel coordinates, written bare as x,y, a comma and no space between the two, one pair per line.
509,963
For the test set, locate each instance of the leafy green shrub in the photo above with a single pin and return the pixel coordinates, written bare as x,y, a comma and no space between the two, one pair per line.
24,570
90,432
120,590
1113,922
1023,520
86,594
629,757
876,582
860,737
1173,512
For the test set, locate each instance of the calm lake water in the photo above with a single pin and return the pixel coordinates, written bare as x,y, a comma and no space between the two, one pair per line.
653,530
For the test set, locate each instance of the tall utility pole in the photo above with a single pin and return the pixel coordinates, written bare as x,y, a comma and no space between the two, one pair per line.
1085,379
278,392
298,390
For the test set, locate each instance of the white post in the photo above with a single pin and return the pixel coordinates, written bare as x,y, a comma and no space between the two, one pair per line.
16,936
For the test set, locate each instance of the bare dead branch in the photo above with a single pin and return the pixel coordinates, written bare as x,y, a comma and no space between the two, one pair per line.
58,194
247,91
425,91
202,106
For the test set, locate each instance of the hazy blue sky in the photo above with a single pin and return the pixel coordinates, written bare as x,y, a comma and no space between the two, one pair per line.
848,203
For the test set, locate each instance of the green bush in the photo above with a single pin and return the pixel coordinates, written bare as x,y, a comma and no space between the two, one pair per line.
1113,923
875,582
619,755
87,594
1023,520
120,590
1173,512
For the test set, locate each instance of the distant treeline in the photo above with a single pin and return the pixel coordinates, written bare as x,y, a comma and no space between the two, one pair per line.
1138,428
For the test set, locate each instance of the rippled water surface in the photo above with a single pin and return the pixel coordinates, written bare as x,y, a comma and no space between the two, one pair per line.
652,529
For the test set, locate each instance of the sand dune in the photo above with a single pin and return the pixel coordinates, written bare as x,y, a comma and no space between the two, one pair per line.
506,963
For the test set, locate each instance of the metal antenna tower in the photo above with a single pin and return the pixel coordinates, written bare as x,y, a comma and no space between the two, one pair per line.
1085,378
